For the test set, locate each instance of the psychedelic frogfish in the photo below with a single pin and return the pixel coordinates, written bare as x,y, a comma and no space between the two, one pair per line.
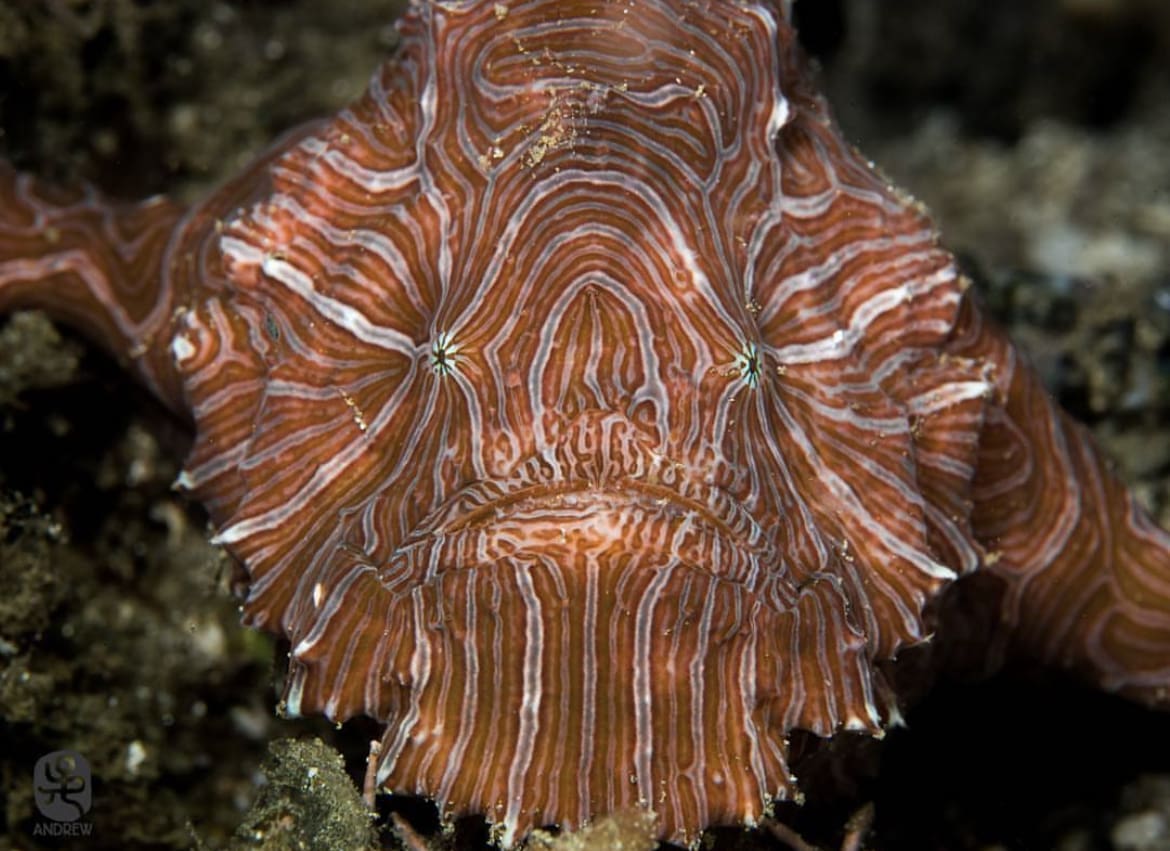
582,407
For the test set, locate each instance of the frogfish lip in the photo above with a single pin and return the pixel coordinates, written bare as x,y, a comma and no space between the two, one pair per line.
696,525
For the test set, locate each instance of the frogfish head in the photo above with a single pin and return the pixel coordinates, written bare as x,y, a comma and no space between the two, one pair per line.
535,371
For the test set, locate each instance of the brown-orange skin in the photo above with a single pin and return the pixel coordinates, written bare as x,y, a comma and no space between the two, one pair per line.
582,406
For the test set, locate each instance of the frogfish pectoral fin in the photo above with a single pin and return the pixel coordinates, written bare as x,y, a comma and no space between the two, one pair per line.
1086,570
94,264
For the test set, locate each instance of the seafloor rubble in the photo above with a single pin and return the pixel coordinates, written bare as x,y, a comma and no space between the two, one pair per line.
1036,132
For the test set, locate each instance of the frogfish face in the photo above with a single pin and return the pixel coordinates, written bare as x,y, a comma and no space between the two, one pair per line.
532,342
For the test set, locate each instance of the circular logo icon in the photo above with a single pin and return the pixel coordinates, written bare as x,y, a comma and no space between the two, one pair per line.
62,786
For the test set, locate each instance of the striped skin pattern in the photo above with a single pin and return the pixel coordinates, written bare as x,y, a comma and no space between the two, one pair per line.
583,407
